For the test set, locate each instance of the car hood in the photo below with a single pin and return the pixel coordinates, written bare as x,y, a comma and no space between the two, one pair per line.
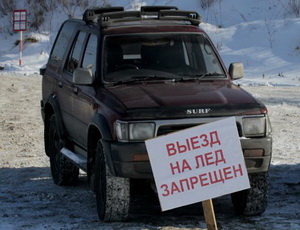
185,99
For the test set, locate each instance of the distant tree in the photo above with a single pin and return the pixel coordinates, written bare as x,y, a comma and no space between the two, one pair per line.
37,12
206,3
294,7
71,6
7,6
270,26
6,13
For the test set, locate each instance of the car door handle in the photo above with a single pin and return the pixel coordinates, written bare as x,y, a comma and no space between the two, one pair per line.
75,90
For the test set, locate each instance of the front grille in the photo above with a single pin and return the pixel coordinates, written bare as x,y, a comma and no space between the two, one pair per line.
166,129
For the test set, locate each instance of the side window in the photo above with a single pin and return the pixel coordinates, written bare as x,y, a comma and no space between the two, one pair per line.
90,55
62,41
74,55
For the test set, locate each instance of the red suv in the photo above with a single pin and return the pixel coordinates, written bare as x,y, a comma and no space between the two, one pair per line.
116,78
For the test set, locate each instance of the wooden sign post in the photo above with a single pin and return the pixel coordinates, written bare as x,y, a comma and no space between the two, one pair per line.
209,215
198,164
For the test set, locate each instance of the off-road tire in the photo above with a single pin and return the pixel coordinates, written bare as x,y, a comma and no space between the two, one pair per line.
252,201
112,193
63,171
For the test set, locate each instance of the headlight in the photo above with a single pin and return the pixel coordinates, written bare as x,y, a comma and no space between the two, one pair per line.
138,131
255,126
141,131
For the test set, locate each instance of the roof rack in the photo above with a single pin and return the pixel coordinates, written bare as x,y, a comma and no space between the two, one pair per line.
92,15
110,15
153,10
193,17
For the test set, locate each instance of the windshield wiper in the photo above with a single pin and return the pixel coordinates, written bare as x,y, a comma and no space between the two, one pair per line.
207,74
150,77
198,77
142,78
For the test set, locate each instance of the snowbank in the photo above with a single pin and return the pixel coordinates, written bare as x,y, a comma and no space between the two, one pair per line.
263,35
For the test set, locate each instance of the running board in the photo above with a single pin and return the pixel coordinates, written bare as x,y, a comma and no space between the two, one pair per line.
77,159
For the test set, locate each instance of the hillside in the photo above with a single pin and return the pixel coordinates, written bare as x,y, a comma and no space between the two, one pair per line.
264,35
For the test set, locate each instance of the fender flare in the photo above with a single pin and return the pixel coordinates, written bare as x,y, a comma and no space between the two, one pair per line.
52,101
52,107
100,122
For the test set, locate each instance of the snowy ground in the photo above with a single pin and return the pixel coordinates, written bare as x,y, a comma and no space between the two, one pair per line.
30,200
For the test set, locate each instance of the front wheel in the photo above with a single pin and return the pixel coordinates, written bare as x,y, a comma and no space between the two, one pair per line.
112,193
252,201
63,171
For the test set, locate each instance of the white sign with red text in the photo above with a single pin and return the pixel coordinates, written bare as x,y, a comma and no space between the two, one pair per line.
198,164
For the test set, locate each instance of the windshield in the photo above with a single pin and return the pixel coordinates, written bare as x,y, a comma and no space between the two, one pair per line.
160,56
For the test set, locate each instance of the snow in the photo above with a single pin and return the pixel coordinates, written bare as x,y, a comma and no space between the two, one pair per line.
263,35
271,61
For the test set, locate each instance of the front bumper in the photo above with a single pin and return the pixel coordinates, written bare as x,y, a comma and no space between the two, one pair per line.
130,160
257,154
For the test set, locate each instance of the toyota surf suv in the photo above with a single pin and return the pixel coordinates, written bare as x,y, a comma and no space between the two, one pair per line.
116,78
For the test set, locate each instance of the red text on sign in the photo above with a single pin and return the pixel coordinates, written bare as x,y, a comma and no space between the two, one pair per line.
210,158
202,180
193,143
178,167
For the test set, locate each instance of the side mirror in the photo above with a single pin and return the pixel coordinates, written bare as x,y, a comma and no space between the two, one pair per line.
83,76
236,70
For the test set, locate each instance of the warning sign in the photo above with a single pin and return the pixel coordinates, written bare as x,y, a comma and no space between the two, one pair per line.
198,164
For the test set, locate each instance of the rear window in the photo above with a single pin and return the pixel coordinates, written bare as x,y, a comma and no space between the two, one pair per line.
62,41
